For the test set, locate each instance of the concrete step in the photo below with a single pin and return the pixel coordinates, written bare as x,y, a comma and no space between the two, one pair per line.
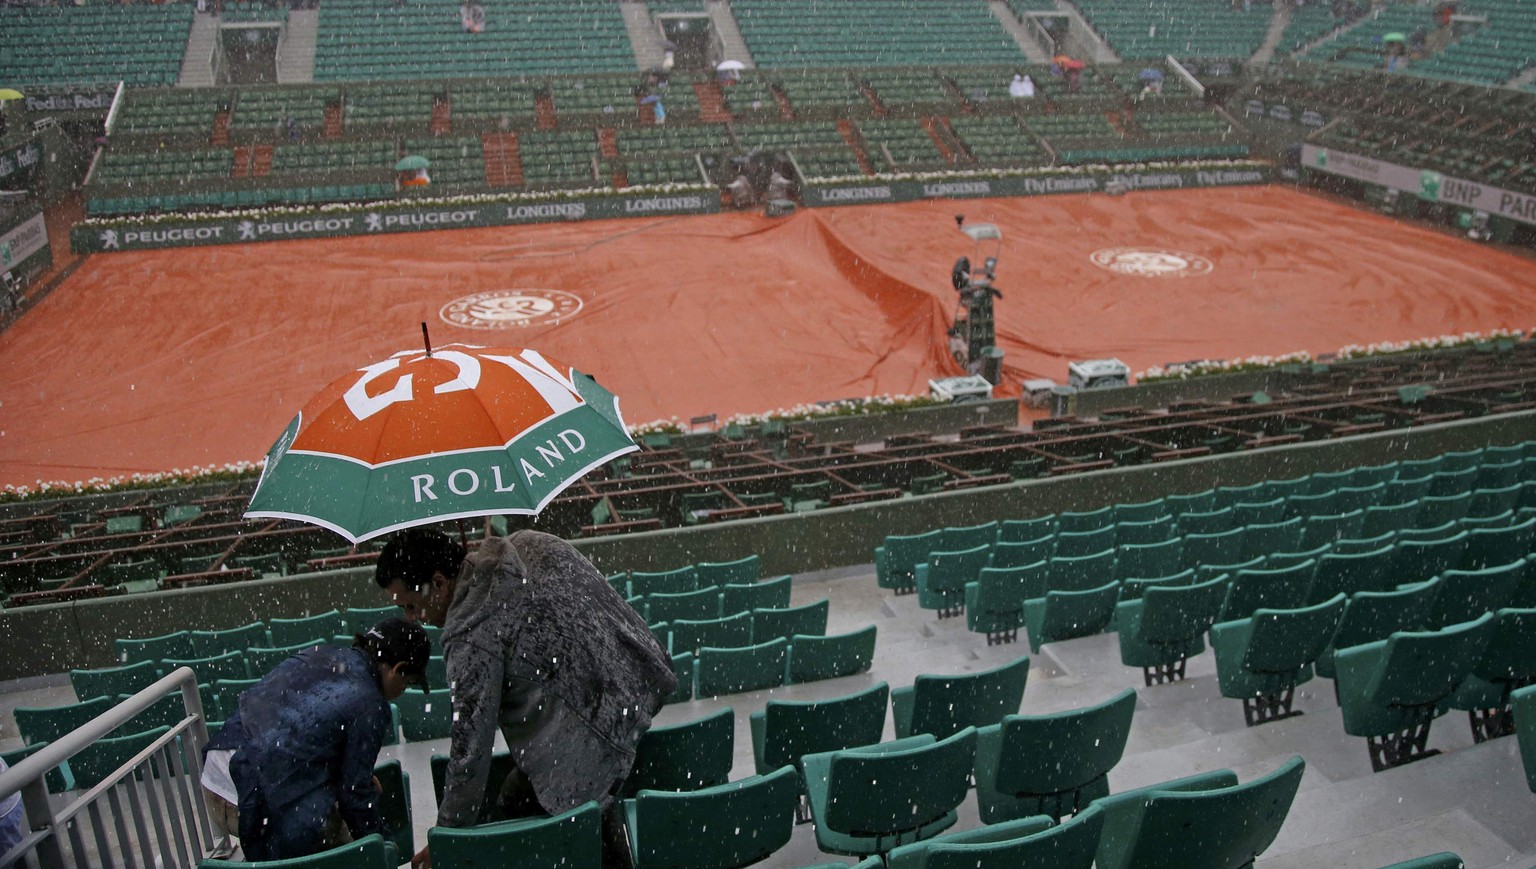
1277,24
644,35
1032,49
731,41
296,56
197,62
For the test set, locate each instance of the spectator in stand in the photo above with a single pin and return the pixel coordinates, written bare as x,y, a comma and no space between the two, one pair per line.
1022,87
12,819
296,758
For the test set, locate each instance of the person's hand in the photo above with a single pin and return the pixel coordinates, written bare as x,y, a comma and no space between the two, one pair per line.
378,785
422,860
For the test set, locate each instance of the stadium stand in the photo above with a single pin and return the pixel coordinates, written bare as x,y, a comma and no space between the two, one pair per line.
802,33
1210,28
358,40
140,45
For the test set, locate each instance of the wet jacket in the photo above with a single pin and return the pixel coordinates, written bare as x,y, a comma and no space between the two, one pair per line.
313,726
538,643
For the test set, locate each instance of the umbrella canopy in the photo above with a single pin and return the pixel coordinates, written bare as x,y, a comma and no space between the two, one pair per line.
730,64
425,436
1150,74
1073,64
1394,37
412,161
7,94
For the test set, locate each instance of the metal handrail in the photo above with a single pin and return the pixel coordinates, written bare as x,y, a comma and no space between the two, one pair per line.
27,778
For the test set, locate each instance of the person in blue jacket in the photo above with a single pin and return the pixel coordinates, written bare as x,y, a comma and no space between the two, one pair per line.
301,747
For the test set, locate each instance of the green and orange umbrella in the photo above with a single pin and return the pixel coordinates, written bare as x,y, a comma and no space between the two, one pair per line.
428,435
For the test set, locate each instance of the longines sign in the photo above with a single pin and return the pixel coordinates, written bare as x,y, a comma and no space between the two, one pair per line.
1029,185
118,235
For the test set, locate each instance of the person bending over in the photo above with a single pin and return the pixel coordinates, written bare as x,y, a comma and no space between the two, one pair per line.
538,643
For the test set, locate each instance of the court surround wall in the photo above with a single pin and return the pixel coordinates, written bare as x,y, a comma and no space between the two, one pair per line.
57,637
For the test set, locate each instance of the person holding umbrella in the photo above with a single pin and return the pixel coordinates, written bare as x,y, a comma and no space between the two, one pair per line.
540,645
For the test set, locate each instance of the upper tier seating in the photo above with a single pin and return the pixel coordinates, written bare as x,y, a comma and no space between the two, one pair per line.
140,45
1194,28
809,33
414,39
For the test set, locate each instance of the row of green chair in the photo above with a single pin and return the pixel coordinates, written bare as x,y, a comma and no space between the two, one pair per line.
791,660
743,628
714,601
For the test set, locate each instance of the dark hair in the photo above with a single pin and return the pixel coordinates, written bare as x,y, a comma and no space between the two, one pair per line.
414,555
397,641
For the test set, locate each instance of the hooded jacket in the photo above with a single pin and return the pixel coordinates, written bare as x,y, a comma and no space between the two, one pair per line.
538,643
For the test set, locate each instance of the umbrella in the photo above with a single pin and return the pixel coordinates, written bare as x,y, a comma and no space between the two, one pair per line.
1071,64
450,433
730,64
412,161
7,94
1150,74
1394,37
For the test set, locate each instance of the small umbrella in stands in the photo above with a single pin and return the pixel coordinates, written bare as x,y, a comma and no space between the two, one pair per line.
1150,74
8,94
450,433
412,162
1394,37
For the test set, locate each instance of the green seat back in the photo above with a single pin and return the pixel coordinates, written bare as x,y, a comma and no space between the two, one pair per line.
684,757
941,582
685,668
1443,860
1439,509
1142,511
734,670
1217,829
1326,529
227,666
1489,547
48,723
572,838
1174,615
1145,560
1382,518
701,605
1080,573
1076,544
1283,641
425,714
968,537
1267,511
207,644
900,554
813,658
945,705
1067,615
1021,552
787,730
1077,521
739,572
995,601
896,792
1070,845
809,619
1348,498
733,824
96,762
1265,537
358,621
261,660
114,680
1017,530
1281,588
1379,683
1206,522
1466,594
395,805
1523,702
177,645
915,856
1373,616
1221,547
1348,573
1510,655
731,632
1193,502
1123,813
289,632
1050,764
663,582
743,597
502,765
1418,560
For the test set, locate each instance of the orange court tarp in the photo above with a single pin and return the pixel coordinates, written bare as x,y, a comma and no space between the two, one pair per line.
159,360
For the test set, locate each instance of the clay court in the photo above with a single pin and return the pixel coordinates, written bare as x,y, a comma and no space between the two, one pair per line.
159,360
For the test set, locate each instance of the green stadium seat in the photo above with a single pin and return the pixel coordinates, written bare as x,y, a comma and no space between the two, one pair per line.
896,560
814,658
873,799
1261,659
177,645
1279,588
1372,616
1218,547
1073,844
1205,521
1050,764
745,597
730,632
684,757
742,571
684,667
677,581
688,830
358,621
944,705
1467,594
231,665
48,723
425,715
915,856
290,632
701,605
1508,662
994,603
1067,615
369,852
1523,703
113,681
96,762
206,644
787,730
1392,690
1167,626
1022,552
1197,821
941,579
809,619
1018,530
1145,560
1084,521
1348,573
572,838
1080,544
748,668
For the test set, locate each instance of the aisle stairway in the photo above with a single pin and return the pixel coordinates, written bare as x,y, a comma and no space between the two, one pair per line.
197,63
296,57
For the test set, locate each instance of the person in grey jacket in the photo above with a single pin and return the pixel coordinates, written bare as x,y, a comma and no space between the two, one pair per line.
540,645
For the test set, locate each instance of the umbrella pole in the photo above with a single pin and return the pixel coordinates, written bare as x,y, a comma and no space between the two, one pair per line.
426,339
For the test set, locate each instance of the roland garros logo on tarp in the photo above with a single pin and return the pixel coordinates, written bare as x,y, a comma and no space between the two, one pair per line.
1151,262
511,309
